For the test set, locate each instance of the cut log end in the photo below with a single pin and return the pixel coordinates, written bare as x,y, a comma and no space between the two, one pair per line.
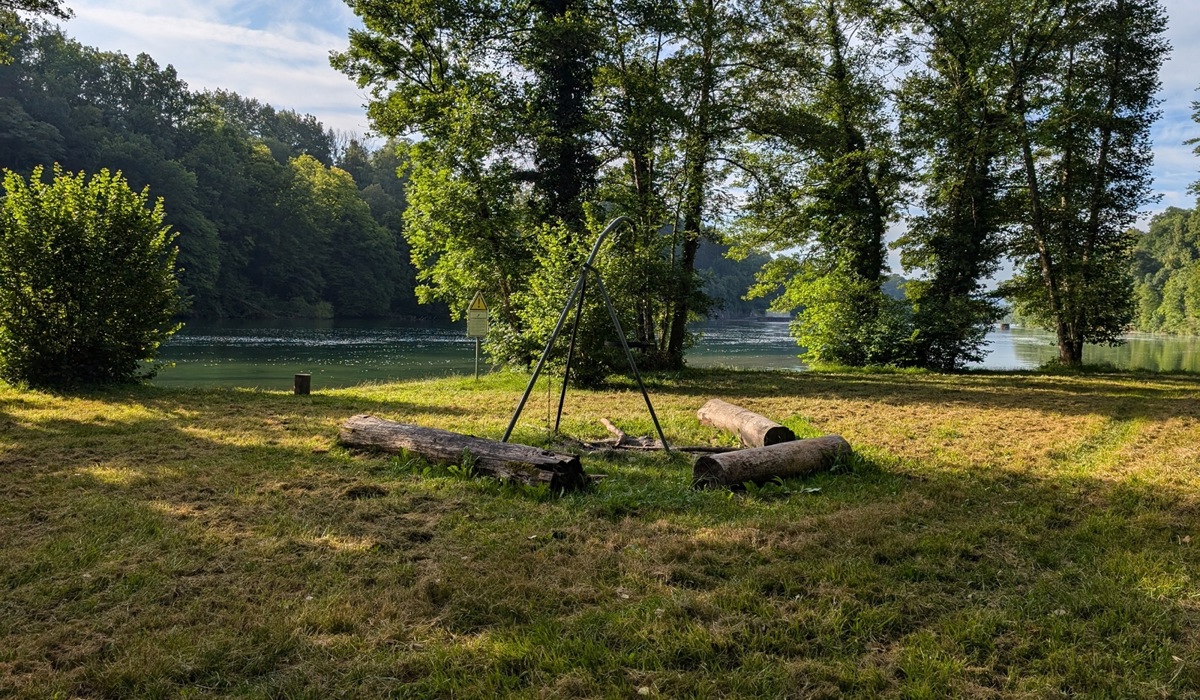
778,434
753,430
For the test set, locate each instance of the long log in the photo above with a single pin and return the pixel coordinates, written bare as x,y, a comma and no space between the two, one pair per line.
527,465
753,429
761,464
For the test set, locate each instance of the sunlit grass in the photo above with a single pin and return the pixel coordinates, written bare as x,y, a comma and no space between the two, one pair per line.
1015,535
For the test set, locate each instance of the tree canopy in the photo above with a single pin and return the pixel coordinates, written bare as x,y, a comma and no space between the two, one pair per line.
268,224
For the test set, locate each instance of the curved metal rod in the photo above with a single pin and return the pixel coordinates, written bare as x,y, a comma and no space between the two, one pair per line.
600,239
580,284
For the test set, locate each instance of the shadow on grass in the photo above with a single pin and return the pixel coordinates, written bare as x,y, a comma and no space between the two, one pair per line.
165,552
1115,396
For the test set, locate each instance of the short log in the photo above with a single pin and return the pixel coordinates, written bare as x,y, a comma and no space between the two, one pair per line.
521,463
762,464
753,429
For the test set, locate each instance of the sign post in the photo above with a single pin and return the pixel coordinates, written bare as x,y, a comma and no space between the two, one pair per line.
477,324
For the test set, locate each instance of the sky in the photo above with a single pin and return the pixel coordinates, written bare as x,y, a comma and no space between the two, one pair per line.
278,51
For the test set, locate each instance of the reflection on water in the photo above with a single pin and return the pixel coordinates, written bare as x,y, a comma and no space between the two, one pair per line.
1029,349
267,354
745,345
335,353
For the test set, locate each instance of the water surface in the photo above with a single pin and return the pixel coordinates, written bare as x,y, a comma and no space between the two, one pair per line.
337,353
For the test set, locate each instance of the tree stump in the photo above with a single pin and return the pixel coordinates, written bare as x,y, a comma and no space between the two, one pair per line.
762,464
506,461
753,429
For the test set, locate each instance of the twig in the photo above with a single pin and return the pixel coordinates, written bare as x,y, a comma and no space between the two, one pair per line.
620,434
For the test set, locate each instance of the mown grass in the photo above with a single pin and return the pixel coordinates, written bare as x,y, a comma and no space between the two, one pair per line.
998,535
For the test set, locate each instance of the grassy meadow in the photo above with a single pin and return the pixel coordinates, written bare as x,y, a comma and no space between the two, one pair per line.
998,535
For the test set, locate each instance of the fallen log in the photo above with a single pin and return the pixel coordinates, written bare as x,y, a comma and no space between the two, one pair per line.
753,429
762,464
506,461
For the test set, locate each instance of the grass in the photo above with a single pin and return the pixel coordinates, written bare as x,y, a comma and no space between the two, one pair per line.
997,535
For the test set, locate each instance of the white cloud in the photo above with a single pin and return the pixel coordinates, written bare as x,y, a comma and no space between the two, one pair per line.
269,51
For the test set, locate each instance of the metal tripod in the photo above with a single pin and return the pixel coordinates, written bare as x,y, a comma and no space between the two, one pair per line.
578,293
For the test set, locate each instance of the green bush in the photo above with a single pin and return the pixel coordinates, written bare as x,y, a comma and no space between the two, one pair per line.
87,280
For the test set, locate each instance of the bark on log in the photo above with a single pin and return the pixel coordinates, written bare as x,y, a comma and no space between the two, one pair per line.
528,465
753,429
761,464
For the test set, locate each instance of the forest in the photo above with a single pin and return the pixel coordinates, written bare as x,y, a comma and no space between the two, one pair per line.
278,216
267,225
1166,270
768,153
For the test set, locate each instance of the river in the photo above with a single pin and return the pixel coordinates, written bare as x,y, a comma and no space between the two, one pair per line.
337,353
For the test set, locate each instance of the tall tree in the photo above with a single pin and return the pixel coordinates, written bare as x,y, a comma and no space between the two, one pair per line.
711,72
953,124
638,123
1083,131
826,123
561,55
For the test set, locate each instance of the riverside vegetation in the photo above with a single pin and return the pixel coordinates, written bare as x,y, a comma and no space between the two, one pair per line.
1015,535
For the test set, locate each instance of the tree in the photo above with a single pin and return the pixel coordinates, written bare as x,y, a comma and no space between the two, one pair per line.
954,124
87,280
825,207
52,8
451,72
1083,131
12,26
712,73
523,111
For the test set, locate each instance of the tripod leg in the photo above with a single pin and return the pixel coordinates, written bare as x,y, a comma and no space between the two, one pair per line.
629,355
577,291
562,397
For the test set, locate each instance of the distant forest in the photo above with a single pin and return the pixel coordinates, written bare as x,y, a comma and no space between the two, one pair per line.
278,216
1166,272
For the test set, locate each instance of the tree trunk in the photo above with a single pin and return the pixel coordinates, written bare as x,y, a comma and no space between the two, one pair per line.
501,460
697,157
753,429
762,464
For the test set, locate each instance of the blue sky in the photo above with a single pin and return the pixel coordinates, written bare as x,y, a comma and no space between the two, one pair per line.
277,51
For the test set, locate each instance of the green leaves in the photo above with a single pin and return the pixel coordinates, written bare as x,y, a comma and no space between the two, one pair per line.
88,285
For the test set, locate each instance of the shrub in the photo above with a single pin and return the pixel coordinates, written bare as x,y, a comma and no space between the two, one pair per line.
87,280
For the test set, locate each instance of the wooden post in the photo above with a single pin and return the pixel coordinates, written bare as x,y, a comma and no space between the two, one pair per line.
761,464
753,429
302,384
502,460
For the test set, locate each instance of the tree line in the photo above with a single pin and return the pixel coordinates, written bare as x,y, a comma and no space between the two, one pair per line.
277,216
805,129
1166,270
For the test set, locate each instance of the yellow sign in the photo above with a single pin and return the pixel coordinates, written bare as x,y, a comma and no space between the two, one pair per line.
477,317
